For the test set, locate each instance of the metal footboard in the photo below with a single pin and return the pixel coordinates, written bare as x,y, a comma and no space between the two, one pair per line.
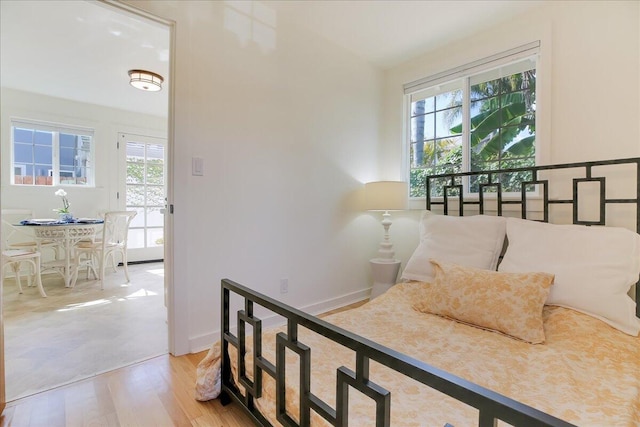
491,406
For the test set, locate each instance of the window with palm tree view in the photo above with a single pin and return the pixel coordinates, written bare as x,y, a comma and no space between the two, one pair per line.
485,121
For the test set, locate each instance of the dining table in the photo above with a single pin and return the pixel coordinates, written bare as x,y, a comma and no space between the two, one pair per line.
67,235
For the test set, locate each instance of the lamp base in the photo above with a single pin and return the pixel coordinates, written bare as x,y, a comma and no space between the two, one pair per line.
386,252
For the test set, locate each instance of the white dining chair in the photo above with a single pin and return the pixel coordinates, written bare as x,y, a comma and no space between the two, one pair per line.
17,238
95,255
14,258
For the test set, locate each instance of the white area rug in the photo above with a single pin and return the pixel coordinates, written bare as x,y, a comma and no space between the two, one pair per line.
77,333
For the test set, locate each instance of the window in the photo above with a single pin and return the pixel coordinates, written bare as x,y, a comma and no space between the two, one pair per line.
50,154
481,116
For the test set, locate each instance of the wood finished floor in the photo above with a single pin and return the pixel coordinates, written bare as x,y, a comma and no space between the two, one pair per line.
77,333
155,393
158,392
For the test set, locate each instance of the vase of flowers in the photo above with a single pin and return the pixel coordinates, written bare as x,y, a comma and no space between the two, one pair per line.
64,214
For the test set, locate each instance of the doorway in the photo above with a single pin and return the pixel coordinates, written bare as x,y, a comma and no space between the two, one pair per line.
37,33
142,161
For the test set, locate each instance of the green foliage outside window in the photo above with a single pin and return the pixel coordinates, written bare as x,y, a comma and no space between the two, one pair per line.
137,175
502,135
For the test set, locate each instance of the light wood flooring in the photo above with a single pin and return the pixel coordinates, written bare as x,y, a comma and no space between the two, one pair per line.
155,393
158,392
77,333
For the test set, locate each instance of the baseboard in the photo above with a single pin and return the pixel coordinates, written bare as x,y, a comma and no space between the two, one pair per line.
204,341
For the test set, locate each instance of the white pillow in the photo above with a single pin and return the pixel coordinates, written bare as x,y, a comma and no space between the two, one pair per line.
594,266
470,241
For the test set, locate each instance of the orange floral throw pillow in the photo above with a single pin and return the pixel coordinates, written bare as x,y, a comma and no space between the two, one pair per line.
510,303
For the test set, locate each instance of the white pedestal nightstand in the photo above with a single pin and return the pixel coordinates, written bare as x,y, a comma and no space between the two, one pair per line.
385,275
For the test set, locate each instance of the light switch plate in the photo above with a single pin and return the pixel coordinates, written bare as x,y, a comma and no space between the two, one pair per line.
197,166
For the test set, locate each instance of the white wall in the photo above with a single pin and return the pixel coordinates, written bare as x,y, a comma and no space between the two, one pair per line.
287,124
290,126
107,122
588,91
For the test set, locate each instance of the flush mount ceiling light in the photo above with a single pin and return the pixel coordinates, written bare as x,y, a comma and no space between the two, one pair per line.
145,80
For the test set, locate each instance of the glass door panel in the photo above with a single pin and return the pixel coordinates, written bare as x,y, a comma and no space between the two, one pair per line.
145,193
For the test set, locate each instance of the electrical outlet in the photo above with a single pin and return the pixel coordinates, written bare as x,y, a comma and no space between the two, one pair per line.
284,286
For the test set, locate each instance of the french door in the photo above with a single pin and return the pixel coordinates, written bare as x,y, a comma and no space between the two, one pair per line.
143,191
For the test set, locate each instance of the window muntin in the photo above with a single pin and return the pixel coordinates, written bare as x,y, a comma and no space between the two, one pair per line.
435,144
483,121
145,193
503,123
46,154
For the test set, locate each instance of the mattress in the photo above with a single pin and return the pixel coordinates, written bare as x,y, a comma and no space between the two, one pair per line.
586,372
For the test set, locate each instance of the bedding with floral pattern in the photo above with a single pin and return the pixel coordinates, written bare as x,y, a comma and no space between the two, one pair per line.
586,372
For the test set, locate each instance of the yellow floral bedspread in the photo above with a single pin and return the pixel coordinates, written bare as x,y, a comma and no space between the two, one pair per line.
586,372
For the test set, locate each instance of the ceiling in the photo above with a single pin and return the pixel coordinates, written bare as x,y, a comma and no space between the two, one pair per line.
388,32
82,50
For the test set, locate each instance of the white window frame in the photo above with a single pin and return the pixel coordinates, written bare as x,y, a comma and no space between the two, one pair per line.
464,74
72,174
56,129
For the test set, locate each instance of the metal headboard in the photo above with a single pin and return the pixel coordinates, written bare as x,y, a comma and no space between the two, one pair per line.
491,180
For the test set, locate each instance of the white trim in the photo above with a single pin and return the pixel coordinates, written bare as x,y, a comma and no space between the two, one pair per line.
73,173
511,55
204,341
436,90
177,301
51,126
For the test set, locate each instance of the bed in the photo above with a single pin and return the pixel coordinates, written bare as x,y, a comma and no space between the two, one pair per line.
542,333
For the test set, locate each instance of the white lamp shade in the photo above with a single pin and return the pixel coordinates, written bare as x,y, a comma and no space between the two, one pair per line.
386,195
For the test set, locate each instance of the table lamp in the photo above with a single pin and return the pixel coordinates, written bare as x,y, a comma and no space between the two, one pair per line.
386,196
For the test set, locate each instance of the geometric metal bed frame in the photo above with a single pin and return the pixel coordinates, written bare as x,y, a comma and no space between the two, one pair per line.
453,182
492,175
491,406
